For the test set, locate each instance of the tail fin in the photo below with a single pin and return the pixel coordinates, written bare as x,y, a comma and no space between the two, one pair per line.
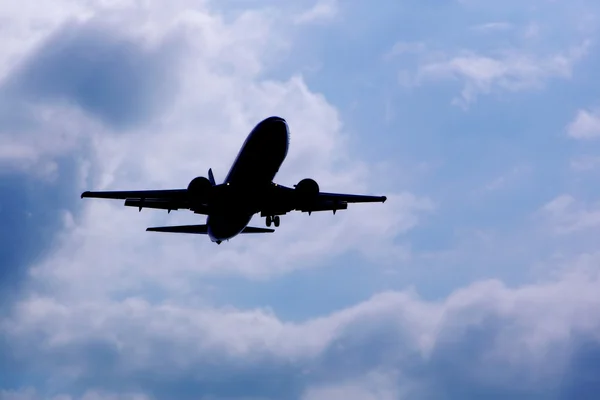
211,177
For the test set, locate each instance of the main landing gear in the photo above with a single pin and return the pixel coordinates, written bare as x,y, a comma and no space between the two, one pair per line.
274,220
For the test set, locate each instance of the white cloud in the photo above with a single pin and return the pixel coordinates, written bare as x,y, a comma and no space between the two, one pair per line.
25,24
532,31
483,337
401,48
506,71
492,26
585,163
374,386
585,126
219,98
111,307
91,252
519,56
516,173
32,394
90,260
567,215
129,47
51,132
322,10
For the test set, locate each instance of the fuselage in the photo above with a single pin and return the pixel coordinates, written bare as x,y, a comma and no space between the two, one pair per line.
252,172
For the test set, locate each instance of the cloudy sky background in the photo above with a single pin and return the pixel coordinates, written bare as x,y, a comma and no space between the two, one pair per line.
478,278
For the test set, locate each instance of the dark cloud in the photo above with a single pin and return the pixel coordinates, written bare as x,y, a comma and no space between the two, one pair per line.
461,365
582,378
93,66
103,365
31,214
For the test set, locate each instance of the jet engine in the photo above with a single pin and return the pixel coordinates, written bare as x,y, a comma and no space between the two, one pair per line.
199,189
307,190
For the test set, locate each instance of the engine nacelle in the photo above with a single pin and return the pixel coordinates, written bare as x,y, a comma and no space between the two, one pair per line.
308,190
199,189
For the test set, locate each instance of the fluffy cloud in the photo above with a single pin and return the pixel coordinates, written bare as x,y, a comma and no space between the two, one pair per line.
586,125
519,52
322,10
568,215
216,99
372,386
585,163
492,26
73,81
115,312
32,394
484,339
108,75
506,70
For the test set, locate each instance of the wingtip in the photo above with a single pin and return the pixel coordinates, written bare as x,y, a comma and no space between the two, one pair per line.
85,194
383,199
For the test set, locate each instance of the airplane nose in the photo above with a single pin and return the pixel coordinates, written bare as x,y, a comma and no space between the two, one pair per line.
274,119
273,124
272,131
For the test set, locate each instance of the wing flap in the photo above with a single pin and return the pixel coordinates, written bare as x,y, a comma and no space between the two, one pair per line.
155,203
325,206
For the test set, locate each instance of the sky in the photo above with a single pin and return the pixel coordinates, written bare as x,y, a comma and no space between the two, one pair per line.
478,278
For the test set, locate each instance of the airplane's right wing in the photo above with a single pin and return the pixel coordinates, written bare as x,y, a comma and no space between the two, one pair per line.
286,201
350,198
168,194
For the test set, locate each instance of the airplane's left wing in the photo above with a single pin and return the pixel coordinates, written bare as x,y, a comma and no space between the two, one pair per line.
169,199
338,201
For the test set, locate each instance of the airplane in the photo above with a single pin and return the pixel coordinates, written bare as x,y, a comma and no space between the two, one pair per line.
247,190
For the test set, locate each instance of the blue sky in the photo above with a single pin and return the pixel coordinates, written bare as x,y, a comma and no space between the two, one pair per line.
476,279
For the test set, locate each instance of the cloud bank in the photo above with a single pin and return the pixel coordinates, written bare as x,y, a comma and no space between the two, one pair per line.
123,95
485,339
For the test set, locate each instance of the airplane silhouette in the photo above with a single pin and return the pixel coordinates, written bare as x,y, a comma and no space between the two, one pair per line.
248,189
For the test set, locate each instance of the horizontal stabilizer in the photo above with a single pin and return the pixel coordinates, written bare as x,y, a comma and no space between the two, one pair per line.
202,229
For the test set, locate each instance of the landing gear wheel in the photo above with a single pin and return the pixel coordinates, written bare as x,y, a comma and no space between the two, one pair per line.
276,220
268,220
